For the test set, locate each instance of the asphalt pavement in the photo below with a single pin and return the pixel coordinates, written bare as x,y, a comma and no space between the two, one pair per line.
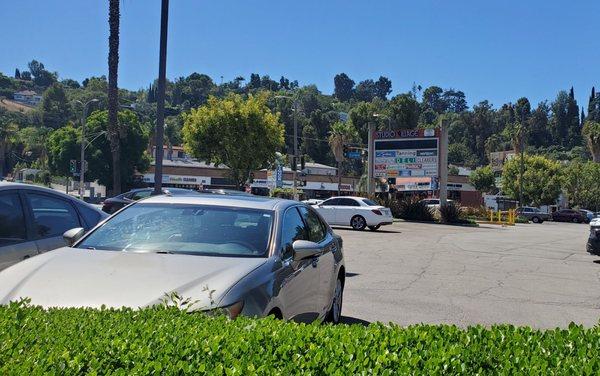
410,273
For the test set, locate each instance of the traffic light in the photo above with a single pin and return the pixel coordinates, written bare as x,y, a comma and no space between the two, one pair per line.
294,163
73,166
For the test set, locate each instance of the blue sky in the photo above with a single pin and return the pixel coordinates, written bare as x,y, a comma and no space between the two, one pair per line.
496,50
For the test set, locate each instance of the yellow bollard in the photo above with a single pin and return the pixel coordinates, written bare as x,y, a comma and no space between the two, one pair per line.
499,216
491,215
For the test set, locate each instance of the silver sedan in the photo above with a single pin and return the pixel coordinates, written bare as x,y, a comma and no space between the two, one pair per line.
233,254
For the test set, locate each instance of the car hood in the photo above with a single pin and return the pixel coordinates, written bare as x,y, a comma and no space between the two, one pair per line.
595,222
70,277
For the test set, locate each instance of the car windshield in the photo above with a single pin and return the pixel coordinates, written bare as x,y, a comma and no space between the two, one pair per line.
369,202
186,229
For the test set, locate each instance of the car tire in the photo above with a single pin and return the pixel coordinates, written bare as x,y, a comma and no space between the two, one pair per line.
335,312
374,228
535,220
575,220
358,222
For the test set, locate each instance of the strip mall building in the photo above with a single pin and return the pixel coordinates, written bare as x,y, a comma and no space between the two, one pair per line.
181,171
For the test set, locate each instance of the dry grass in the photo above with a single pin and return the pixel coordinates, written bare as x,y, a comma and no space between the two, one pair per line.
11,105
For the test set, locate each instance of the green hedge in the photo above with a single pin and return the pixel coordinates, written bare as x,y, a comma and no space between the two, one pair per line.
168,341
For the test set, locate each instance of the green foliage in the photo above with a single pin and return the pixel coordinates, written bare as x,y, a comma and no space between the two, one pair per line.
591,130
169,341
483,179
54,107
240,133
411,209
63,145
541,180
344,87
581,184
452,214
133,143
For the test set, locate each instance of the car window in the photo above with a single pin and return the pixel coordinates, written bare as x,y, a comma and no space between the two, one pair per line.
186,229
369,202
348,202
331,202
316,230
90,216
141,194
52,216
12,220
293,229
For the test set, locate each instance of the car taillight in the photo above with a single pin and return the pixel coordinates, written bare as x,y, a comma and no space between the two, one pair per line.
377,211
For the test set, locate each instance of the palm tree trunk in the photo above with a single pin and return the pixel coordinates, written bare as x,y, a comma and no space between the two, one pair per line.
160,100
113,93
2,156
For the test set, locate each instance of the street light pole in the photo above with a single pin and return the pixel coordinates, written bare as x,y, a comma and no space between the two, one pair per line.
160,102
82,155
295,149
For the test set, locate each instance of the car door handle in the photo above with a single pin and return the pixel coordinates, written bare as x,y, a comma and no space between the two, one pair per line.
314,262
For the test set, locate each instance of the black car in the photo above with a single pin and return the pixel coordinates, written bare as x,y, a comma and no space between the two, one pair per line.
113,204
569,215
593,244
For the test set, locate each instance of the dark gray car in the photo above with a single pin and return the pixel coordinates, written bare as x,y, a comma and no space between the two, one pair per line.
33,220
535,215
253,256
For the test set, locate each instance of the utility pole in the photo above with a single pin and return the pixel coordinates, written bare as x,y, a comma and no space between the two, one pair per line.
443,151
370,159
160,102
295,159
82,155
522,164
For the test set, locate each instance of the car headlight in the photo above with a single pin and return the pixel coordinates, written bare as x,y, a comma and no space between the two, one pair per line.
232,311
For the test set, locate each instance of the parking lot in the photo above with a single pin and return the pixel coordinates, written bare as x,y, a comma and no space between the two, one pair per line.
409,273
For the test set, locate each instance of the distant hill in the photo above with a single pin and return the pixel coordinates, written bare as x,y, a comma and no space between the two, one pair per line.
11,105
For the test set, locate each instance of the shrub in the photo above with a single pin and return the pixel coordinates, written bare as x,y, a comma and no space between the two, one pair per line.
168,341
451,213
412,209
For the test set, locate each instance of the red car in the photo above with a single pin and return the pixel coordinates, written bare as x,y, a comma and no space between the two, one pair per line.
569,215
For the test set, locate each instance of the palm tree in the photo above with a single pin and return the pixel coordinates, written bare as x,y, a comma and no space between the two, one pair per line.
113,92
340,134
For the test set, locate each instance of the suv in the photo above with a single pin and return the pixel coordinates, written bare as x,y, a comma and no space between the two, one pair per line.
534,215
569,215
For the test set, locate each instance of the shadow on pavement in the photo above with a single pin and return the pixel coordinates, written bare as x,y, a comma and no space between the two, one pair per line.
367,230
348,274
595,262
353,320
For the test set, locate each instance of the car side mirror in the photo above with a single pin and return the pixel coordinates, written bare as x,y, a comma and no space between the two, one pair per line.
73,235
304,249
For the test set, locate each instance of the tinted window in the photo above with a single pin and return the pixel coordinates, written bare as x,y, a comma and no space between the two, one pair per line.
90,216
316,230
140,195
186,229
348,202
12,220
369,202
52,216
293,229
332,202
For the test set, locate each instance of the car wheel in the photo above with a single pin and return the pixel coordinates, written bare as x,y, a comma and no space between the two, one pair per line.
374,228
335,313
358,223
575,220
535,220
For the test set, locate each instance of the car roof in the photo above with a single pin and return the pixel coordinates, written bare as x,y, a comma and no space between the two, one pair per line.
9,185
250,202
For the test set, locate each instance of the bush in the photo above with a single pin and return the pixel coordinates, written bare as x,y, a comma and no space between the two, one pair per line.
168,341
452,213
411,209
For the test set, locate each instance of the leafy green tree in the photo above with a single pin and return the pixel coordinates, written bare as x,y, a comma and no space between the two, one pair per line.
343,87
41,77
574,123
8,131
55,109
63,145
483,179
433,98
254,81
240,133
539,133
404,111
133,143
365,91
591,130
459,154
580,184
455,101
383,87
541,180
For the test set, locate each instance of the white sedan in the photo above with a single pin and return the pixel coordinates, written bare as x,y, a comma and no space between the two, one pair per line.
357,212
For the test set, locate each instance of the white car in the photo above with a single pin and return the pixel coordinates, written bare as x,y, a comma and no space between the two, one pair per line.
433,203
313,201
357,212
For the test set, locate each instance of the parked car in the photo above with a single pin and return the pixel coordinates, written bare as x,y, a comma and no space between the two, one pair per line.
535,215
568,215
433,203
229,192
357,212
593,243
33,220
253,256
588,214
313,201
114,204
